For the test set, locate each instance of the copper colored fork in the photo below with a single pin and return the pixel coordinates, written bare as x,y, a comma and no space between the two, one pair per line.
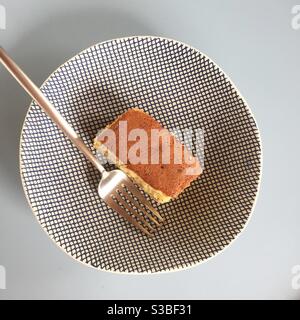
115,188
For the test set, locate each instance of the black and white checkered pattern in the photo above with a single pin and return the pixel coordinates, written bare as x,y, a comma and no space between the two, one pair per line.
181,88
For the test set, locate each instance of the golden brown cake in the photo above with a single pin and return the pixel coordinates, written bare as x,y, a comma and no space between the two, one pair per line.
141,151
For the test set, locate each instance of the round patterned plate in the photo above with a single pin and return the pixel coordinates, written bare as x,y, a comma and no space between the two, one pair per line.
181,88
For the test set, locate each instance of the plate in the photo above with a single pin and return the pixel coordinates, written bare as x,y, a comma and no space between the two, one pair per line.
183,89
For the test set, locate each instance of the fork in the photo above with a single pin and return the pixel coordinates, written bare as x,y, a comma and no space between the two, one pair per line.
115,188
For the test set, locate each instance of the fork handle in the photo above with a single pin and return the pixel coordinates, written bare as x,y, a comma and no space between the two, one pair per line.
47,106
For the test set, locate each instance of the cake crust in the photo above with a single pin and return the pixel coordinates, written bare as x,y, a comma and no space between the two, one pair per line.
162,177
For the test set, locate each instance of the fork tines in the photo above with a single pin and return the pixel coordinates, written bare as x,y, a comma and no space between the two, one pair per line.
134,207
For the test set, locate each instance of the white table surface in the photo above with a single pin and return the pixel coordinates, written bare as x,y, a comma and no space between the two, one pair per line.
255,44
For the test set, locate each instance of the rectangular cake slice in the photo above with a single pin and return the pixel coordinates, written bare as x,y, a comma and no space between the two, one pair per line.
149,154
